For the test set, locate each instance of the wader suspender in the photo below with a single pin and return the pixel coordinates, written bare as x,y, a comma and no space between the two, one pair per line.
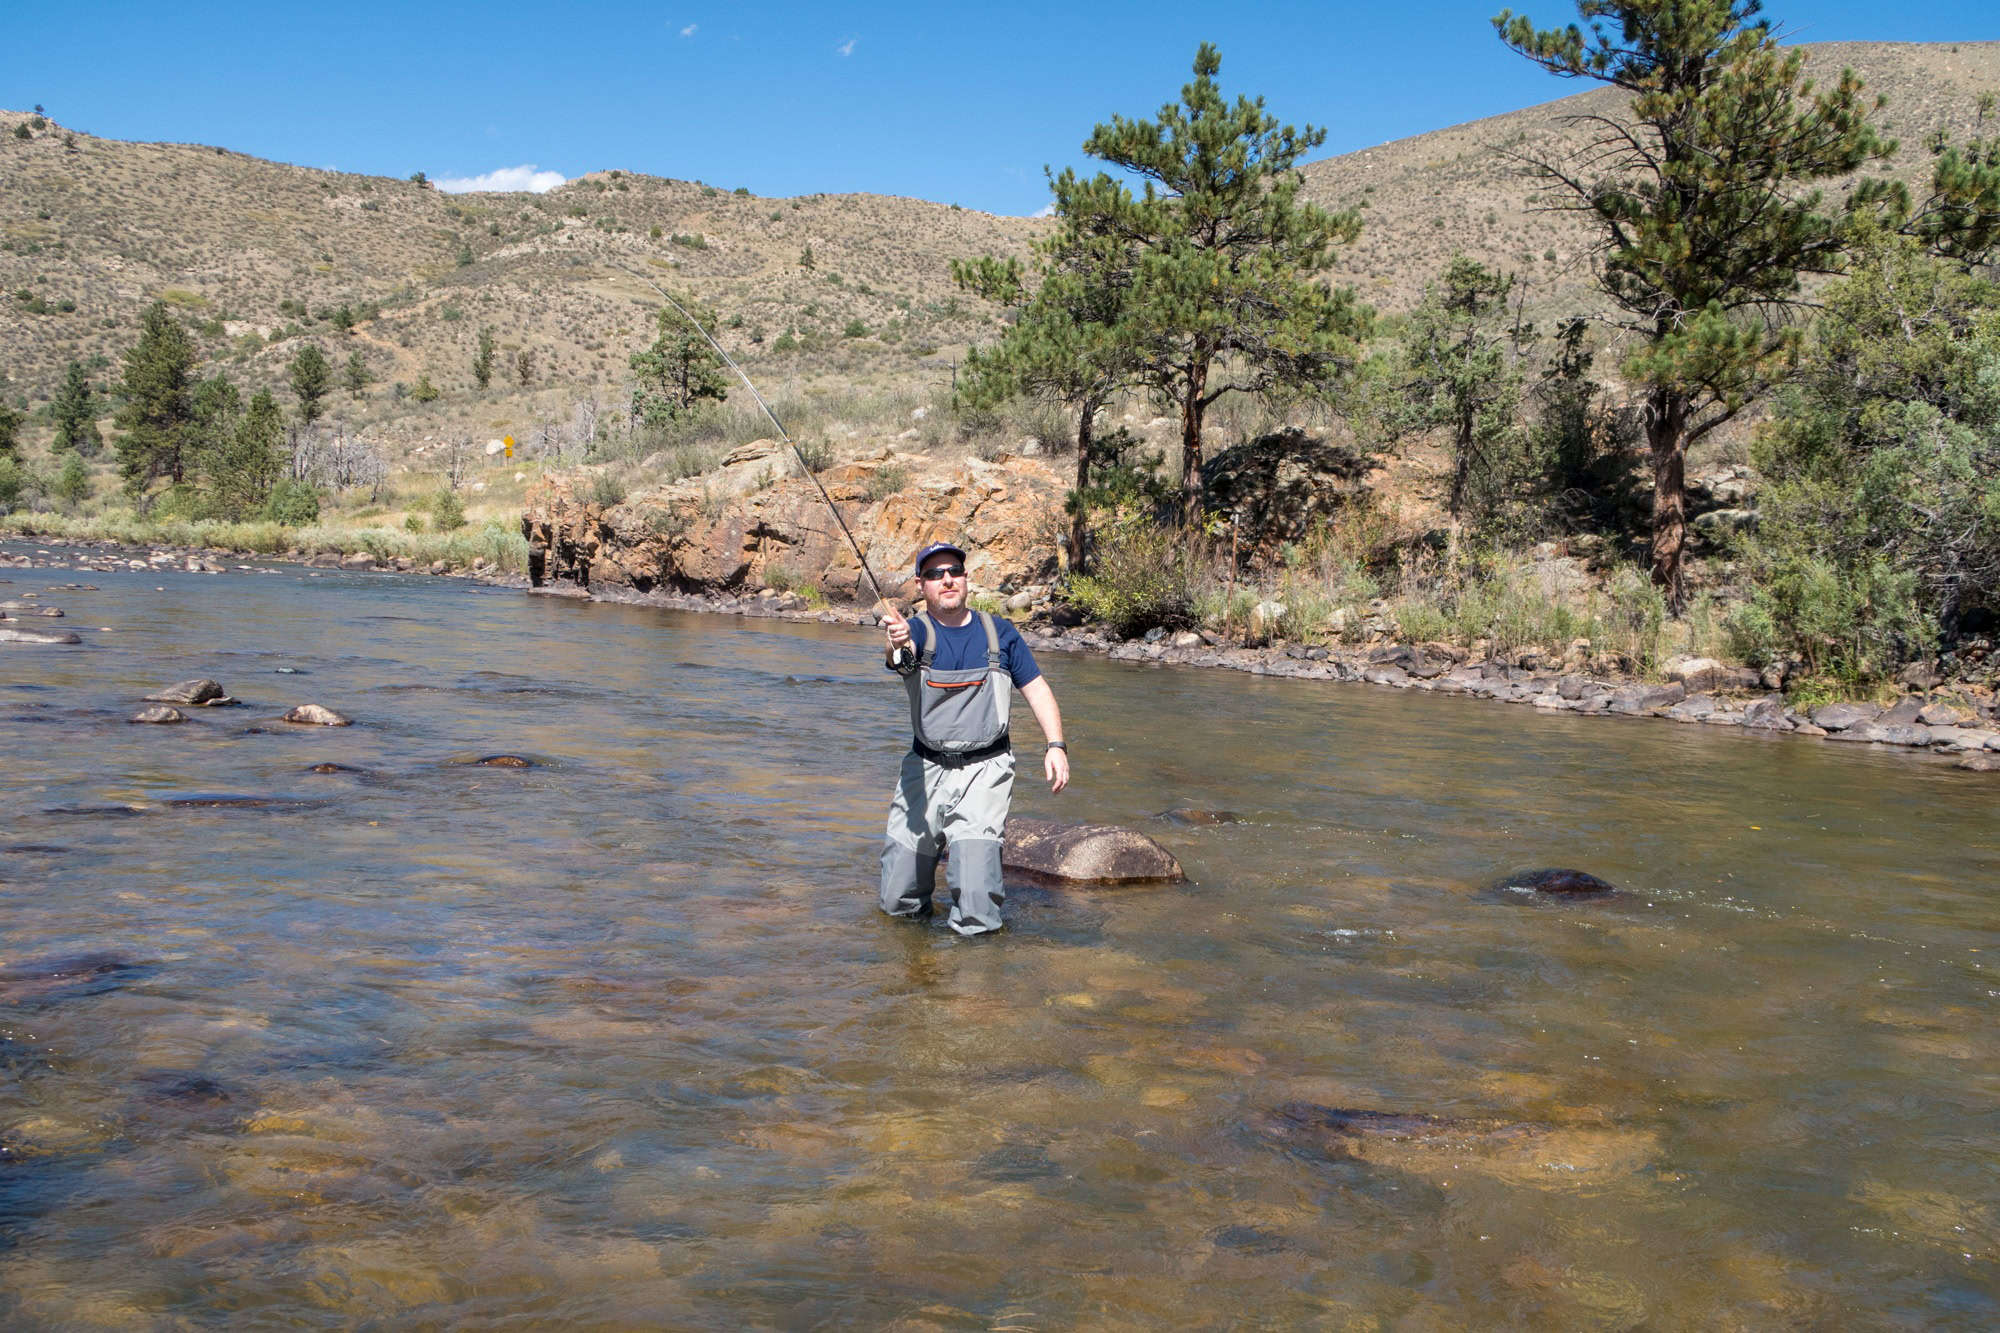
993,657
995,662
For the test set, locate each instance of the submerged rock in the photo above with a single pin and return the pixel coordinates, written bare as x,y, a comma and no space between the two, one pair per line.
195,693
1086,853
161,715
317,715
1200,818
9,635
1542,1156
1554,882
333,768
502,761
65,977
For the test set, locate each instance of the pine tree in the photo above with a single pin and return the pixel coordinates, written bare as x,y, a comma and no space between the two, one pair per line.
806,258
311,377
241,469
159,374
11,418
1065,345
679,371
1227,258
356,375
75,411
482,361
1460,373
1702,195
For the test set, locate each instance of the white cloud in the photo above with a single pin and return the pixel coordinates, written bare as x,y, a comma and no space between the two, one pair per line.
846,48
689,30
523,177
1045,211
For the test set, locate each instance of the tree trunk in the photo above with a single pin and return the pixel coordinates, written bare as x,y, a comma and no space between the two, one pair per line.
1191,413
1666,435
1462,464
1086,423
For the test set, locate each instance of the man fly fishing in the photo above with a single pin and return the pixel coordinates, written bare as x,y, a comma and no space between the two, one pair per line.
960,668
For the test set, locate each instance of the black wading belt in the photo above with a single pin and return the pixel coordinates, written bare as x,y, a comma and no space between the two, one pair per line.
945,759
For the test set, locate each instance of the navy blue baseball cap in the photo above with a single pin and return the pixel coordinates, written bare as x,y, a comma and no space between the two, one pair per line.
936,548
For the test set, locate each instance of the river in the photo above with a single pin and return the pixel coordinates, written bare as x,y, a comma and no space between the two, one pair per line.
619,1040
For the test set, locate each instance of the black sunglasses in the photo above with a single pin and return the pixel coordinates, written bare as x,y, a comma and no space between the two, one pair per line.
936,572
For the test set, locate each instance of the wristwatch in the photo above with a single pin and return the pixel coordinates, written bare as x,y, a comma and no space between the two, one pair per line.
1057,745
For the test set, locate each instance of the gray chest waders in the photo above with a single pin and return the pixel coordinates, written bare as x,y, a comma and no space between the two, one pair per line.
954,788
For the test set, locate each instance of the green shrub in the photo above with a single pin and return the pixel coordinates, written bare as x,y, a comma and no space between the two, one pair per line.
293,504
607,490
413,522
447,511
12,482
1143,579
885,481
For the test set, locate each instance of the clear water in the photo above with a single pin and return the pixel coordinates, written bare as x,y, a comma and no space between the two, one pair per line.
620,1041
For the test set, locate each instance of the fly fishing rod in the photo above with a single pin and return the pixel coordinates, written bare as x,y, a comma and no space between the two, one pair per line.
881,602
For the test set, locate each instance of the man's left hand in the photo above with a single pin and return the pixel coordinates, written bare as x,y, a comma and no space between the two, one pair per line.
1055,767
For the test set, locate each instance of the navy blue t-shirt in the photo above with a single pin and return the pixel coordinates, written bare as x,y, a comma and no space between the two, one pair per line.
964,648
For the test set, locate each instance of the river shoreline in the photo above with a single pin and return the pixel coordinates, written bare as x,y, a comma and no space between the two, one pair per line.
1959,725
1963,727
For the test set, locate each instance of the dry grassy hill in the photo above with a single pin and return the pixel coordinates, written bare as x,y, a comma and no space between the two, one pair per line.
1465,188
258,254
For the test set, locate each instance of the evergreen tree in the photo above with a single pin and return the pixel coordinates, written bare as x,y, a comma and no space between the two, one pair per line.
1225,293
311,377
1880,539
524,366
75,411
482,360
806,258
1461,373
1066,345
1702,194
679,371
72,484
11,418
158,385
239,472
356,375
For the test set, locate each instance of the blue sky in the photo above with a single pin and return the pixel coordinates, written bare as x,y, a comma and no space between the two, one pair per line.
956,103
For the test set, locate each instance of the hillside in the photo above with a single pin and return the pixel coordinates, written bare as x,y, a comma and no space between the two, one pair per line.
1465,188
259,254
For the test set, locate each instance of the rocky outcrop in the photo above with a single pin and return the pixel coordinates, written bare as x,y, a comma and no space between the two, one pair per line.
1086,853
758,522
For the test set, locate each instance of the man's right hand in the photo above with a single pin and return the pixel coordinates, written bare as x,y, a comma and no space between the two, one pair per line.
897,627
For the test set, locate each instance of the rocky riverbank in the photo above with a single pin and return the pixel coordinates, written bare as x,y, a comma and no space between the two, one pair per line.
93,556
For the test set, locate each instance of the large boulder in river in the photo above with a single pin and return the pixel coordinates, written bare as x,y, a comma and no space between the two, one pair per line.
196,693
1086,853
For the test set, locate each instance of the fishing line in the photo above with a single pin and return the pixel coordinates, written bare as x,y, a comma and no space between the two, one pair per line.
730,361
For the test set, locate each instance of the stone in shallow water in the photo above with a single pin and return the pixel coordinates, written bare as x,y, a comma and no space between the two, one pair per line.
160,715
9,635
201,693
316,715
1553,882
1200,818
65,977
502,761
1086,853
